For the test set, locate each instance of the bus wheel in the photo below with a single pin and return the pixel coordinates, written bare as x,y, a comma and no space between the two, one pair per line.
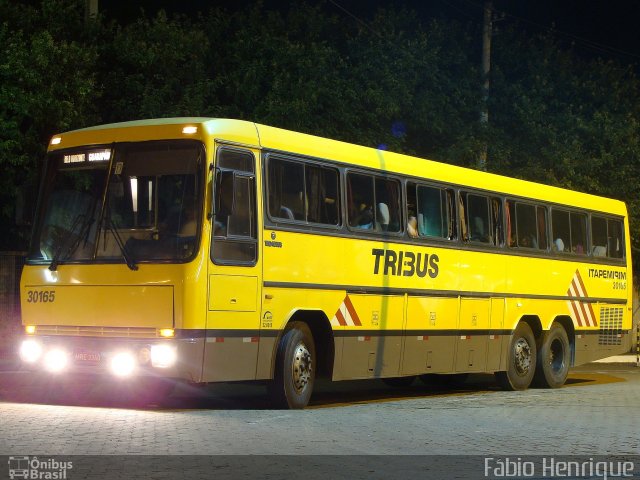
294,373
521,360
399,382
553,358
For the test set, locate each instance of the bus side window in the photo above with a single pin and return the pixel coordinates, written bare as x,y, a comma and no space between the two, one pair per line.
526,226
412,214
322,195
510,215
599,236
561,232
452,230
496,217
478,218
430,212
578,233
543,243
286,189
615,239
360,198
387,198
464,232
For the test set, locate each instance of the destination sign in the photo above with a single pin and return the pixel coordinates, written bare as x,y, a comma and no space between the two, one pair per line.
103,155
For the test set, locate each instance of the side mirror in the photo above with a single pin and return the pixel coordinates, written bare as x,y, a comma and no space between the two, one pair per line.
224,192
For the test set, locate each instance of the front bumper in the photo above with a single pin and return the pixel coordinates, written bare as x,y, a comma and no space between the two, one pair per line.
121,357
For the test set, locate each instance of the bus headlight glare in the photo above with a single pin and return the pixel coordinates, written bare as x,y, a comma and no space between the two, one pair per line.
163,356
55,360
30,351
123,364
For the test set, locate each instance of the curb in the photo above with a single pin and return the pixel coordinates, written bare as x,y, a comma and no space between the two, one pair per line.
624,359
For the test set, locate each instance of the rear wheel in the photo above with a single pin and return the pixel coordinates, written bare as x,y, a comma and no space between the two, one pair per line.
521,361
554,358
294,373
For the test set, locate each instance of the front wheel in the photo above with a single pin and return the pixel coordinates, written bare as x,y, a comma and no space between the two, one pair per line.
521,361
294,373
554,358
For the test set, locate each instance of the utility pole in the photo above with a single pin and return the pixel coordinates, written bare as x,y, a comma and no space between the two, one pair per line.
487,28
90,10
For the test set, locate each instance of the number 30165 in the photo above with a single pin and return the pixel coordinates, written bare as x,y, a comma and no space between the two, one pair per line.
42,296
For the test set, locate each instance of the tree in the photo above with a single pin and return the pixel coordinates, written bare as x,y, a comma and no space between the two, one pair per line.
156,68
387,80
566,120
47,85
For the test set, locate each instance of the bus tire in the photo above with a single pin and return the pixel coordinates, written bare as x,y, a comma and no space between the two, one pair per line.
294,373
521,360
554,358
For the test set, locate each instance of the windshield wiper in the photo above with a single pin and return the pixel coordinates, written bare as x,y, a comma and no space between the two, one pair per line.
125,253
67,247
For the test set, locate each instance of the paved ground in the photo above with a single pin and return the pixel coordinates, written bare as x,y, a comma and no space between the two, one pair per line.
351,429
593,414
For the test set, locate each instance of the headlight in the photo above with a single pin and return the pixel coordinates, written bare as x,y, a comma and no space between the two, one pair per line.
30,351
55,360
163,356
123,364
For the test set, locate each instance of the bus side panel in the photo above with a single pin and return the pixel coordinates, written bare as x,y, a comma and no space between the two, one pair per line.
495,347
609,339
430,340
280,305
372,348
473,336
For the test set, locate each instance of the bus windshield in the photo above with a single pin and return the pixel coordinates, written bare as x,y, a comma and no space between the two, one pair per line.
139,202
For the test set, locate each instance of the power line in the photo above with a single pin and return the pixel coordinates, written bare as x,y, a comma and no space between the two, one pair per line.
357,19
581,41
585,42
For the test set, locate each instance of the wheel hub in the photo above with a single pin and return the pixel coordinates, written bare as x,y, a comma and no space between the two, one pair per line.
301,368
522,356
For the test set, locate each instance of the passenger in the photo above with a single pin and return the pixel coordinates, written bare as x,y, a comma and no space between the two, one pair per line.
479,233
364,218
412,227
188,224
558,245
382,221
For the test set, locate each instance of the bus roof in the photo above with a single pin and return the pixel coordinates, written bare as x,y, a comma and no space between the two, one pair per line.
272,138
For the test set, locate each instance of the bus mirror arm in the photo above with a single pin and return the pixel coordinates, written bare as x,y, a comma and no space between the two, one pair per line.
217,181
224,186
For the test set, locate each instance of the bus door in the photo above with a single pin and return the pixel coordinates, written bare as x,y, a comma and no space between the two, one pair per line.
235,275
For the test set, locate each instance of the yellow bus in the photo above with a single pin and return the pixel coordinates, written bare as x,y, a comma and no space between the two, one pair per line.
213,250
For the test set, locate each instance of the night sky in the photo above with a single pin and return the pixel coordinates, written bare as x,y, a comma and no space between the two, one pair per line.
606,28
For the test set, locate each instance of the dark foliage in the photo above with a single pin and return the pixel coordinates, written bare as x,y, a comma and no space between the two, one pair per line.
391,80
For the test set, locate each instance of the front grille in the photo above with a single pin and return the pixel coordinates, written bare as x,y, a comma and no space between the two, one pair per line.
610,326
84,331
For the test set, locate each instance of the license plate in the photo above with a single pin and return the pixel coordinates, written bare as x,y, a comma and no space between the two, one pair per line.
86,356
